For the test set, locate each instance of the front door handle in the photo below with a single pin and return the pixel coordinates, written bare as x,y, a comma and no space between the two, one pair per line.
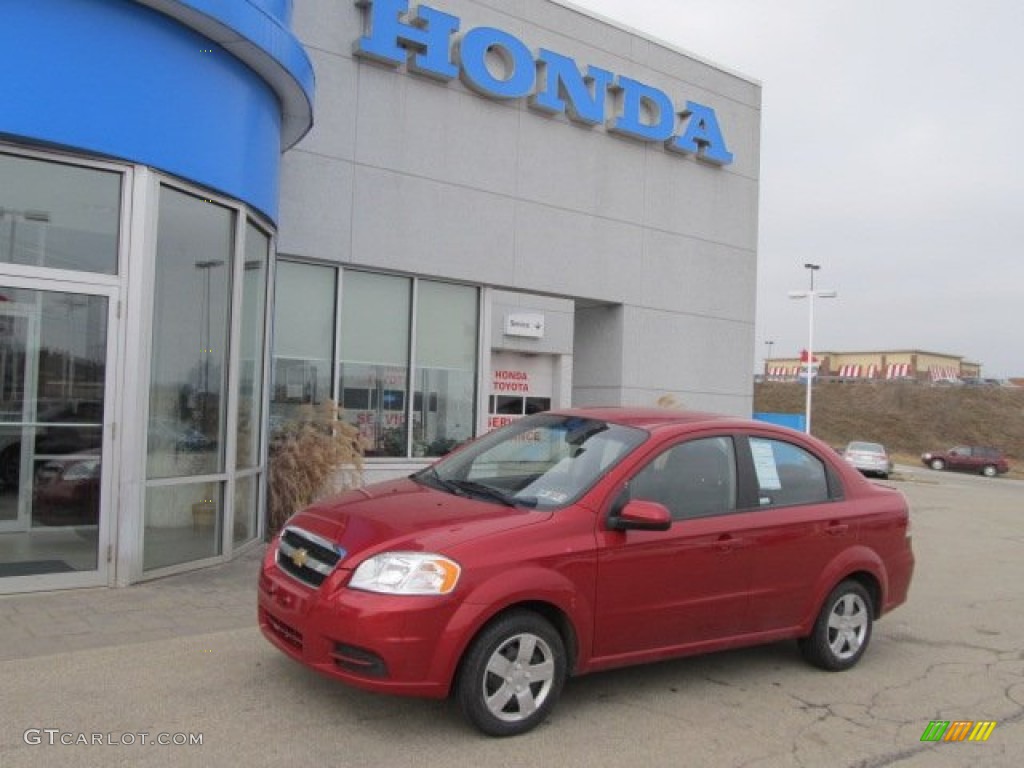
727,543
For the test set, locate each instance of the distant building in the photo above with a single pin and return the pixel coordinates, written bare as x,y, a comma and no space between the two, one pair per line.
889,365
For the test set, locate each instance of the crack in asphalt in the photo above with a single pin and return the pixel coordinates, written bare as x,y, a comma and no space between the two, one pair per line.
894,757
823,712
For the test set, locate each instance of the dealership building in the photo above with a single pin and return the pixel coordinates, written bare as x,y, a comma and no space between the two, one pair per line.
913,365
217,216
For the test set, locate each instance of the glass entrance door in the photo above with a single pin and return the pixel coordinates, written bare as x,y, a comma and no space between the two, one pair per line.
54,405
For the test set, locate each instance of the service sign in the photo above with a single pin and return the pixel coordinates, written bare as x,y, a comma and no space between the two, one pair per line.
429,42
529,325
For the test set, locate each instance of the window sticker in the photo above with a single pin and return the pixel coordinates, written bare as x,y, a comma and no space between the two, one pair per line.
764,465
555,497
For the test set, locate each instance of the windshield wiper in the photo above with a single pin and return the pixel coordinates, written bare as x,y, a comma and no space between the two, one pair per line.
435,477
489,491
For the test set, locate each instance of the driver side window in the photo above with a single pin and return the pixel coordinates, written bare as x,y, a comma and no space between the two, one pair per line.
692,479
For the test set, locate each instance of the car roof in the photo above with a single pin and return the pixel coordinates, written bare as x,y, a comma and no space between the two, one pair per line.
652,418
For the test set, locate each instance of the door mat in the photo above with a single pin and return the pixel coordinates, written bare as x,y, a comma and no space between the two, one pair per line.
34,568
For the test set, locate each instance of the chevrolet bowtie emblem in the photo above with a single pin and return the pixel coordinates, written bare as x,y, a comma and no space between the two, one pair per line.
299,557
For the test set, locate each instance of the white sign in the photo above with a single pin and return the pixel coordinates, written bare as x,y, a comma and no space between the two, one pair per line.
521,324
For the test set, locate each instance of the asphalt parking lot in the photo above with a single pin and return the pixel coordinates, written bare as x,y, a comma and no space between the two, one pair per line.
954,652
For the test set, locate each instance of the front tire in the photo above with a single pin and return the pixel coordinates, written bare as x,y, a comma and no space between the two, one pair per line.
842,630
937,464
512,674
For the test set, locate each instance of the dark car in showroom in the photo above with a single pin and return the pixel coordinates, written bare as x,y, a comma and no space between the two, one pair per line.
67,492
576,541
969,458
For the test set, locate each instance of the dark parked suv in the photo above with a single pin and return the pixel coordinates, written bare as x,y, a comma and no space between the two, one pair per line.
969,458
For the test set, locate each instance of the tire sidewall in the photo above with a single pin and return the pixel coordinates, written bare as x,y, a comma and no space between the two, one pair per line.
816,647
470,679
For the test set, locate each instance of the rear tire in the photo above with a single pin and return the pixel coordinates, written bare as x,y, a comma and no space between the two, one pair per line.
842,630
989,471
512,675
937,464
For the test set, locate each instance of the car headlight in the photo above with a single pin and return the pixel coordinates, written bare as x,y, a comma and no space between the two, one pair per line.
407,573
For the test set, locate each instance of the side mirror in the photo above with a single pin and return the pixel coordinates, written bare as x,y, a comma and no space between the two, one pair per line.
640,515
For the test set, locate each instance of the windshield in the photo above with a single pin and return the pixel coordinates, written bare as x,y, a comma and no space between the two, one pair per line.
543,461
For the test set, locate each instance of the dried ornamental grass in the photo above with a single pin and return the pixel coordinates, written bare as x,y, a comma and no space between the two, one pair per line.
315,455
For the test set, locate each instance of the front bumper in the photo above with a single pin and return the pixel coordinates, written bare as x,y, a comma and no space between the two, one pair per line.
382,643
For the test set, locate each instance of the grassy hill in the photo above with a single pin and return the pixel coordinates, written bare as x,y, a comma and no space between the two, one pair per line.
907,418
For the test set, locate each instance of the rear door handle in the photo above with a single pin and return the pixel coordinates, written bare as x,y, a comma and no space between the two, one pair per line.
837,529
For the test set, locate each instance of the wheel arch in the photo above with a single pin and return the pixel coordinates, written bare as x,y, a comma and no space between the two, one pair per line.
859,564
874,588
551,597
552,613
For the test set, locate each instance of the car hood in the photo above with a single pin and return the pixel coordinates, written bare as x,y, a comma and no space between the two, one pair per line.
404,515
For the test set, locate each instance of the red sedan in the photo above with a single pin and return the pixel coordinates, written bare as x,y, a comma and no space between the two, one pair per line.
576,541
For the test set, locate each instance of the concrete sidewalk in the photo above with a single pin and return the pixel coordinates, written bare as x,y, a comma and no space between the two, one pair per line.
214,599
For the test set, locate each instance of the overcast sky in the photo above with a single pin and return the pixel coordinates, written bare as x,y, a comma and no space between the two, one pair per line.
892,155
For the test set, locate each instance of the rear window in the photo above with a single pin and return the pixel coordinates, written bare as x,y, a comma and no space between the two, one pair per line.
787,474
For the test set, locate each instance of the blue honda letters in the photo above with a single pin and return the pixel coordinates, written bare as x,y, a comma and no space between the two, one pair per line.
426,42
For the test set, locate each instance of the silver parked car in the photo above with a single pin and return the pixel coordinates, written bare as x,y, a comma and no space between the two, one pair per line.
869,458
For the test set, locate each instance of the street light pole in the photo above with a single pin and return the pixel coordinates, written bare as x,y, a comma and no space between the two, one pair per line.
810,296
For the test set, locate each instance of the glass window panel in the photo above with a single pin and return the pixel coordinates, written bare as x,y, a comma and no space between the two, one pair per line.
247,490
54,344
692,479
52,372
446,354
59,216
508,404
538,404
374,367
183,523
66,492
787,474
303,338
187,406
250,361
375,319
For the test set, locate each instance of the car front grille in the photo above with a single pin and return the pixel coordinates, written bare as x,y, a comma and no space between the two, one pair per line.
305,556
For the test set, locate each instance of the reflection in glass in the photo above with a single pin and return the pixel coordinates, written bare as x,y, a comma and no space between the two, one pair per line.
303,338
374,367
52,375
66,492
187,405
183,523
254,301
246,508
446,351
58,216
